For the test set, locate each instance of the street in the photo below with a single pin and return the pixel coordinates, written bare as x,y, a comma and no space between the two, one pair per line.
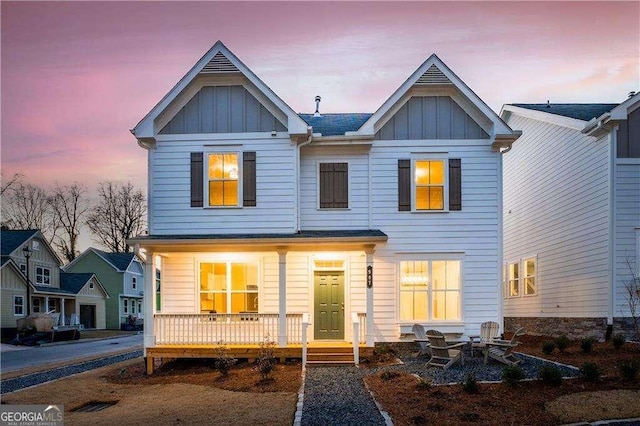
12,360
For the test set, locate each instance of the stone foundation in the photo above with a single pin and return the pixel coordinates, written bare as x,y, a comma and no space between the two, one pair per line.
574,328
625,326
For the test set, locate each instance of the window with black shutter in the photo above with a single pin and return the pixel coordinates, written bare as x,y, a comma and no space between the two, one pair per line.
426,184
334,185
222,179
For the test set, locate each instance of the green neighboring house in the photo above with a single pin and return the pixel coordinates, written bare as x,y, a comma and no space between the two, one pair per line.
122,274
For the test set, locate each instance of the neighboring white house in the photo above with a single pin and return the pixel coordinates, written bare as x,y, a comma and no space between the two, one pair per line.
571,216
368,223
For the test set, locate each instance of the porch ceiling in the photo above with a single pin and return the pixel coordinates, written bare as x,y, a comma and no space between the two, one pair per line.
305,240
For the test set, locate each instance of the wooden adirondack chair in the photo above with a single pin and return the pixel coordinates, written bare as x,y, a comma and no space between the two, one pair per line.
502,350
444,354
488,332
421,339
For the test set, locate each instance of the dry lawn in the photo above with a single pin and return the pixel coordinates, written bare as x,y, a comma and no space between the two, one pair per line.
179,393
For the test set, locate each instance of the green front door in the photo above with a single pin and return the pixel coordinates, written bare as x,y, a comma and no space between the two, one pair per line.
329,305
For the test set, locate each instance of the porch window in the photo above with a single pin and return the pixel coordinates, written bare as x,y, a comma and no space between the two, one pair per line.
228,287
125,306
529,270
139,306
430,290
36,305
18,305
223,174
514,279
43,275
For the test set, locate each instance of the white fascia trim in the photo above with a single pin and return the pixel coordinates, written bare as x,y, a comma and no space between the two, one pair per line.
546,117
622,111
145,128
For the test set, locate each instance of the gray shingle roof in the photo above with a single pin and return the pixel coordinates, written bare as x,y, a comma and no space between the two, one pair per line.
11,239
299,235
583,112
70,283
119,260
335,124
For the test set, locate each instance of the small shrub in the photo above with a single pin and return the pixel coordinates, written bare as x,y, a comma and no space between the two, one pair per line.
590,372
550,374
629,370
389,375
563,342
424,384
266,359
384,353
618,340
512,374
470,384
548,347
587,344
223,360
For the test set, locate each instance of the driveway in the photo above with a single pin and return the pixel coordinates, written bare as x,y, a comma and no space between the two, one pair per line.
34,358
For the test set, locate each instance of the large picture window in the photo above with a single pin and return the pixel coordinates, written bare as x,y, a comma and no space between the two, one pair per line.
430,290
228,287
223,176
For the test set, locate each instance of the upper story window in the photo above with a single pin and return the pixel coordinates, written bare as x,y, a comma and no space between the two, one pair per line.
223,176
23,268
430,184
43,275
334,185
223,179
134,283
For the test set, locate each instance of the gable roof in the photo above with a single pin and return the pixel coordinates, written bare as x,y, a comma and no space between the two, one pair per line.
433,73
11,239
73,282
584,112
118,261
335,124
218,60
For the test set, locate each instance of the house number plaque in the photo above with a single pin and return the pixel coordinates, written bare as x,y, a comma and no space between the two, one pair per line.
369,276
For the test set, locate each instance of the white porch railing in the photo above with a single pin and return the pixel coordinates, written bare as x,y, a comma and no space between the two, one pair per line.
244,328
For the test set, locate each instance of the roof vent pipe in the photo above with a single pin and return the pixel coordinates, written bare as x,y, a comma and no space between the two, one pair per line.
548,104
632,94
317,113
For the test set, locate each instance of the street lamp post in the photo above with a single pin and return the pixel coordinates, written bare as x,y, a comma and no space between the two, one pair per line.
27,254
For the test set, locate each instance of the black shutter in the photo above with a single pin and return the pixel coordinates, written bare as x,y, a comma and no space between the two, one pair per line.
197,171
249,179
404,185
334,185
455,184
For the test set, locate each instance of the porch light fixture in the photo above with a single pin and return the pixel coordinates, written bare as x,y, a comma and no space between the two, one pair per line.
27,252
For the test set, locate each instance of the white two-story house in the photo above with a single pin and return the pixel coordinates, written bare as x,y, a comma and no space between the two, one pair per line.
319,228
572,217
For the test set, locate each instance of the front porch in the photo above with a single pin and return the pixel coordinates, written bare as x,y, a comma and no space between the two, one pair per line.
197,336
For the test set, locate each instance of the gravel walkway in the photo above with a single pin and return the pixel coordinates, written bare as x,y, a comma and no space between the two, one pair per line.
337,396
17,383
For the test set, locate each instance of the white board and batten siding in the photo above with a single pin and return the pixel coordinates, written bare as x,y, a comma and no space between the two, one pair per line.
170,186
627,229
470,234
556,207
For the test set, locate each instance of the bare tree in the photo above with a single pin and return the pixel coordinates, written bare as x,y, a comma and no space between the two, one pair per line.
26,206
6,185
119,214
69,206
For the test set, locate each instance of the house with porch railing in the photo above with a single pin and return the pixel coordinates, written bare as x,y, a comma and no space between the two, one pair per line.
317,230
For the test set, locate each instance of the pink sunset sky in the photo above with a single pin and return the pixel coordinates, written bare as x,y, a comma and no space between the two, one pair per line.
76,76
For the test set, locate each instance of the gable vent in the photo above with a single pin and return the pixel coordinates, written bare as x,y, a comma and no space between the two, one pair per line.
433,76
219,64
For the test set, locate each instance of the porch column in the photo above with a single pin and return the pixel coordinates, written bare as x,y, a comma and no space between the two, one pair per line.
369,258
62,312
46,304
282,297
149,295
